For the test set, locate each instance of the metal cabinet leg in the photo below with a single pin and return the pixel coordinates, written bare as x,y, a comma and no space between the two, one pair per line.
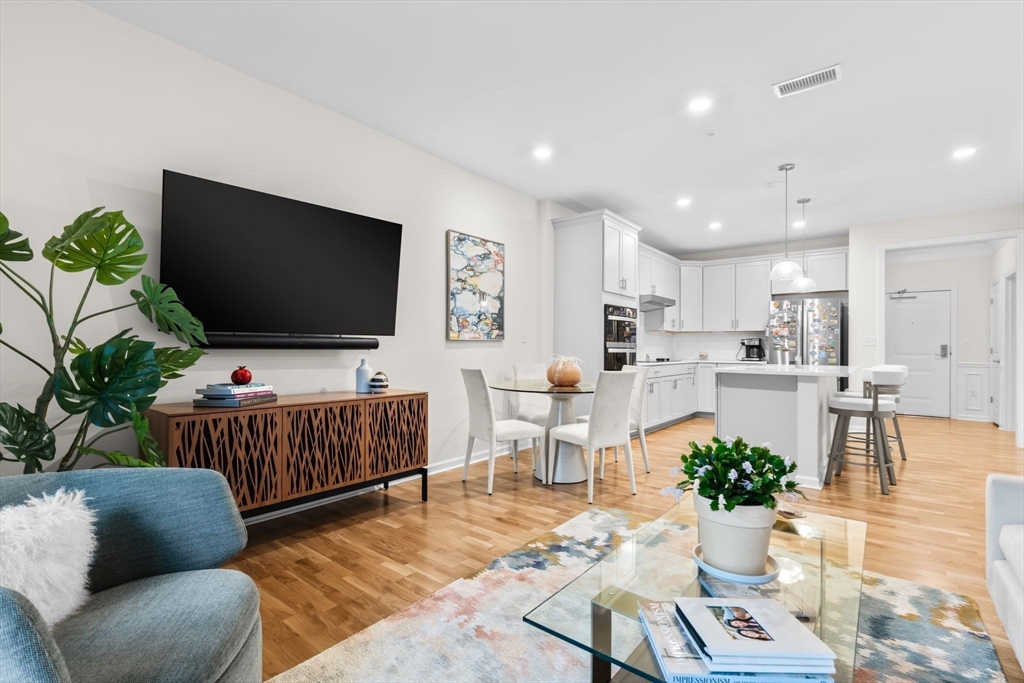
423,484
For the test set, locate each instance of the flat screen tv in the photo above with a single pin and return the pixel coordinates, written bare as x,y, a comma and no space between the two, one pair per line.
251,263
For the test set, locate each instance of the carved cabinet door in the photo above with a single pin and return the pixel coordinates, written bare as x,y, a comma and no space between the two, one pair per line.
396,438
243,446
323,447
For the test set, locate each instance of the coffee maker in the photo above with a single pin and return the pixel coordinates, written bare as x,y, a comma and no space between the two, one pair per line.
751,350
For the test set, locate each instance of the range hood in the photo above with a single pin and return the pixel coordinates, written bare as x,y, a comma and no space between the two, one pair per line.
653,302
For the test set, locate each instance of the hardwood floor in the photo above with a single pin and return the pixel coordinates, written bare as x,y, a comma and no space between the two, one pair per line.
329,572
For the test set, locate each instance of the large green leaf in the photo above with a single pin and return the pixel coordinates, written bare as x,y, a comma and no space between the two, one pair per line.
160,304
112,250
26,435
11,247
173,360
151,451
116,457
86,224
109,379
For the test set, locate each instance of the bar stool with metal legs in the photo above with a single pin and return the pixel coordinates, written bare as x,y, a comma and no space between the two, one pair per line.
888,383
875,411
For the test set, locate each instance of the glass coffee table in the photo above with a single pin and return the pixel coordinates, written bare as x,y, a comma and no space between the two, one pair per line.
821,560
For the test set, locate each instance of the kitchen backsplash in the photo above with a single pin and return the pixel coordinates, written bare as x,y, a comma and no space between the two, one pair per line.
686,346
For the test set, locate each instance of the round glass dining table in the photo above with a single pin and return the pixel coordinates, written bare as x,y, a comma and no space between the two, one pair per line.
571,464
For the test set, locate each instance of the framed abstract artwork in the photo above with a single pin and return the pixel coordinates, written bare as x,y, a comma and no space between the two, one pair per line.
476,288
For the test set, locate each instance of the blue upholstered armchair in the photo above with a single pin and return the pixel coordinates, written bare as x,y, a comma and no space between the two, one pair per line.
159,609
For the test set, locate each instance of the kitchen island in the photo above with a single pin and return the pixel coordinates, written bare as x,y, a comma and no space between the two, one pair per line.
786,405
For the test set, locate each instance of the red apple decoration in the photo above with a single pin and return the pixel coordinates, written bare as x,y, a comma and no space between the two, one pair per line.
241,375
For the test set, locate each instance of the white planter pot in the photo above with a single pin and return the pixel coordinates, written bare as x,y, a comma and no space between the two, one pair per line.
737,541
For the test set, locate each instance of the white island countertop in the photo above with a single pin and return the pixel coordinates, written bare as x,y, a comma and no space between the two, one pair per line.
811,370
698,361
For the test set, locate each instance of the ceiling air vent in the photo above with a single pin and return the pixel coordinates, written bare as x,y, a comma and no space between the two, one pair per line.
810,81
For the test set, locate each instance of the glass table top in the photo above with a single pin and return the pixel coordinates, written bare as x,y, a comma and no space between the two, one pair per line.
542,386
821,560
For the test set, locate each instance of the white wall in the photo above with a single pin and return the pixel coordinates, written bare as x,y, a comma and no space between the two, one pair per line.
970,276
93,109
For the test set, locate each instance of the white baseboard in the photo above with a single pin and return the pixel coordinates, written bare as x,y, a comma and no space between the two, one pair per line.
808,482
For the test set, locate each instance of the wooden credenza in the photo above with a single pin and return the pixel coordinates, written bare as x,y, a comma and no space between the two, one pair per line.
302,445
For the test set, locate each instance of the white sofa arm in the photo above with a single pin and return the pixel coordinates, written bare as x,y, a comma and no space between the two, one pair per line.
1004,504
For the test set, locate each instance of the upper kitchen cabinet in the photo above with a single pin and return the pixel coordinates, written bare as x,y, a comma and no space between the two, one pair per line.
620,255
659,276
719,298
753,295
828,270
691,286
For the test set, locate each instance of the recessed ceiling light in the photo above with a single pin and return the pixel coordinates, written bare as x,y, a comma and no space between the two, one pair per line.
683,201
964,152
542,153
799,224
715,226
699,104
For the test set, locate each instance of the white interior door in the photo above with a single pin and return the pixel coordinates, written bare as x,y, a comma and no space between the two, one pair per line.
995,314
917,335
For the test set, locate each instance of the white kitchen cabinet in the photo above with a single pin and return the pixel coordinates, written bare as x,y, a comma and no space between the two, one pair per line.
630,244
828,271
719,298
653,407
706,387
689,303
753,295
674,408
645,272
664,281
689,384
620,259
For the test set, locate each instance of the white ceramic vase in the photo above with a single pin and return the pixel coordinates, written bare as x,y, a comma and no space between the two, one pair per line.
737,541
363,374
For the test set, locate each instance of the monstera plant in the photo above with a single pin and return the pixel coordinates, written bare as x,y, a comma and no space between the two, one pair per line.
109,385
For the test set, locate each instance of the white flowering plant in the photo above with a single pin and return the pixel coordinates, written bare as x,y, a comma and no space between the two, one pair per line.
735,473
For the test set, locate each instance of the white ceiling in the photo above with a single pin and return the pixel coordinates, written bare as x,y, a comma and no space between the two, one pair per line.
605,84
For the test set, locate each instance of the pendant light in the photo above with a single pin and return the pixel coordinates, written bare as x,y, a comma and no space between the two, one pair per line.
786,269
803,283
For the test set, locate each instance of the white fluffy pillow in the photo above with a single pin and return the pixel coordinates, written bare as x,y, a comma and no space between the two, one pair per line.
46,547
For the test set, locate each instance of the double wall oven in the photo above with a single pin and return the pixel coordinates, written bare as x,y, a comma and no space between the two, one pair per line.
619,337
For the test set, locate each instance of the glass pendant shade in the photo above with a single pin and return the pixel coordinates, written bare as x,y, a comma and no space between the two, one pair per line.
803,284
786,270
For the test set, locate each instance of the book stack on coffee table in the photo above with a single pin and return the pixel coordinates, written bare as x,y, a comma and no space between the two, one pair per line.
234,395
730,640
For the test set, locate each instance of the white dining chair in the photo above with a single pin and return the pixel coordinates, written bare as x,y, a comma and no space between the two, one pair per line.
530,407
608,426
636,415
483,426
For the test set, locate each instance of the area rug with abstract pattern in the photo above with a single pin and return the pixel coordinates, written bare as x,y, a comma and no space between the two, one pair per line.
473,629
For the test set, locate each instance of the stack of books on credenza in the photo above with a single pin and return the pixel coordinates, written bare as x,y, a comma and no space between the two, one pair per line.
234,395
725,640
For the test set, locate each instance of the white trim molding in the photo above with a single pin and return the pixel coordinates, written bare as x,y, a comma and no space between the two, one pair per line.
973,381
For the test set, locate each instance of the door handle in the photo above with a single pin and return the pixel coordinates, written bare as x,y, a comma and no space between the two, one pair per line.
943,351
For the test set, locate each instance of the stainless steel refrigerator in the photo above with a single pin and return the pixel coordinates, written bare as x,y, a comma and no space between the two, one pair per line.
813,330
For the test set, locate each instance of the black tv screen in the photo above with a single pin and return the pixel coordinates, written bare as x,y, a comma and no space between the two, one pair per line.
249,262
